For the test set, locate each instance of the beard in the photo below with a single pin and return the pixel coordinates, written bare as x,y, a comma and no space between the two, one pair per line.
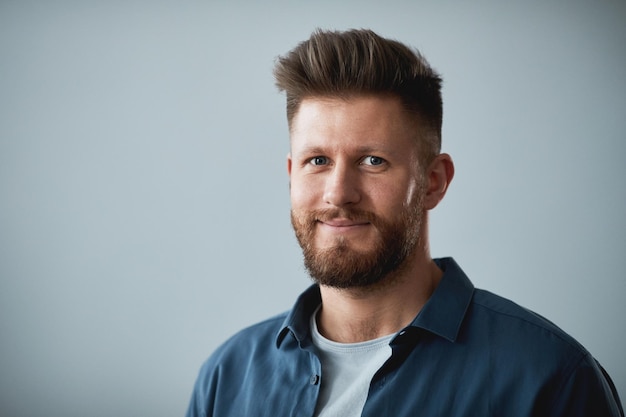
341,266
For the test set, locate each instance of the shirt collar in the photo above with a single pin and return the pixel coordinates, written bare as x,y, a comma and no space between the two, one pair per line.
297,321
444,311
442,314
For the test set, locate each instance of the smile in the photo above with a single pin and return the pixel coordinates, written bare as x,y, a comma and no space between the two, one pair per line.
342,225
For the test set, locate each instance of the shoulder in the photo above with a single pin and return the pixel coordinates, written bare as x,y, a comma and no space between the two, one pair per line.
224,373
519,332
229,363
508,312
532,354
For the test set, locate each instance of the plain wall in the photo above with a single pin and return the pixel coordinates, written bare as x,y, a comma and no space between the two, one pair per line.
144,209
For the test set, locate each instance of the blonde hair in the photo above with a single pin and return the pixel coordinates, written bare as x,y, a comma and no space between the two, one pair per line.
360,62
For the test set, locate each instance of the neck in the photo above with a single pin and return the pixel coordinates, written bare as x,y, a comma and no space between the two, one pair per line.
360,314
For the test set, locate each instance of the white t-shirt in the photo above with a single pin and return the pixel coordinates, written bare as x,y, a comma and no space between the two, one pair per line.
347,370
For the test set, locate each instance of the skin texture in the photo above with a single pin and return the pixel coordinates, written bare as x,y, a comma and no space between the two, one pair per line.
356,189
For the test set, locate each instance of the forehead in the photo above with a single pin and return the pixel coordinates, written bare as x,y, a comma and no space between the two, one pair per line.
363,120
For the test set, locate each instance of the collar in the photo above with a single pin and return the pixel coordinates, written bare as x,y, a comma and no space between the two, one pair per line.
297,321
442,314
445,310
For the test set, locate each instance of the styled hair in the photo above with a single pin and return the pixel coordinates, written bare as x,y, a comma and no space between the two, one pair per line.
360,62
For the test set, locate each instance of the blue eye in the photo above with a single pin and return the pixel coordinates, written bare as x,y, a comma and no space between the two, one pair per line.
373,160
318,160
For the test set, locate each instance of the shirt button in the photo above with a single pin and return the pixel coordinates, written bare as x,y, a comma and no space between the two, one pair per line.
314,379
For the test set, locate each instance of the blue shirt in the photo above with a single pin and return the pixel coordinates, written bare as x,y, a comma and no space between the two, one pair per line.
467,353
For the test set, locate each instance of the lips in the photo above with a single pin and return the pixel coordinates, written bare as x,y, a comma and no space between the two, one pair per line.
341,220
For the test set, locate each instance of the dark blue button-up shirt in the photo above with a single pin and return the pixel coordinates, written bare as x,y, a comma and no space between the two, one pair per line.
467,353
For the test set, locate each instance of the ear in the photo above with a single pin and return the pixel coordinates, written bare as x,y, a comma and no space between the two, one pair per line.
289,164
438,176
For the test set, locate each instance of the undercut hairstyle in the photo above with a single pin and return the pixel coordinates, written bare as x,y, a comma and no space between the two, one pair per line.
361,63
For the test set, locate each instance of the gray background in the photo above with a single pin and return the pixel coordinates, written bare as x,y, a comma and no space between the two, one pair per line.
144,197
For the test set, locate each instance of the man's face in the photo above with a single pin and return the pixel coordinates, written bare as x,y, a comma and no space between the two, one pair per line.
356,188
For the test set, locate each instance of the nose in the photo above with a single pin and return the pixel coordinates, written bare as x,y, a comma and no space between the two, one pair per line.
342,186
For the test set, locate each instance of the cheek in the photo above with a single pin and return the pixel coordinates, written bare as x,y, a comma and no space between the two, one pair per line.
397,194
393,189
301,192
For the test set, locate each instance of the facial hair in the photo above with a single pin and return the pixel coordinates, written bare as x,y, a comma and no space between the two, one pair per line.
341,266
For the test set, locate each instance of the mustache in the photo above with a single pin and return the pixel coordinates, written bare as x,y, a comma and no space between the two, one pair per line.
356,215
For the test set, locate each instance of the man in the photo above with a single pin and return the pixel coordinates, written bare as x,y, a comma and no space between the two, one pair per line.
386,330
